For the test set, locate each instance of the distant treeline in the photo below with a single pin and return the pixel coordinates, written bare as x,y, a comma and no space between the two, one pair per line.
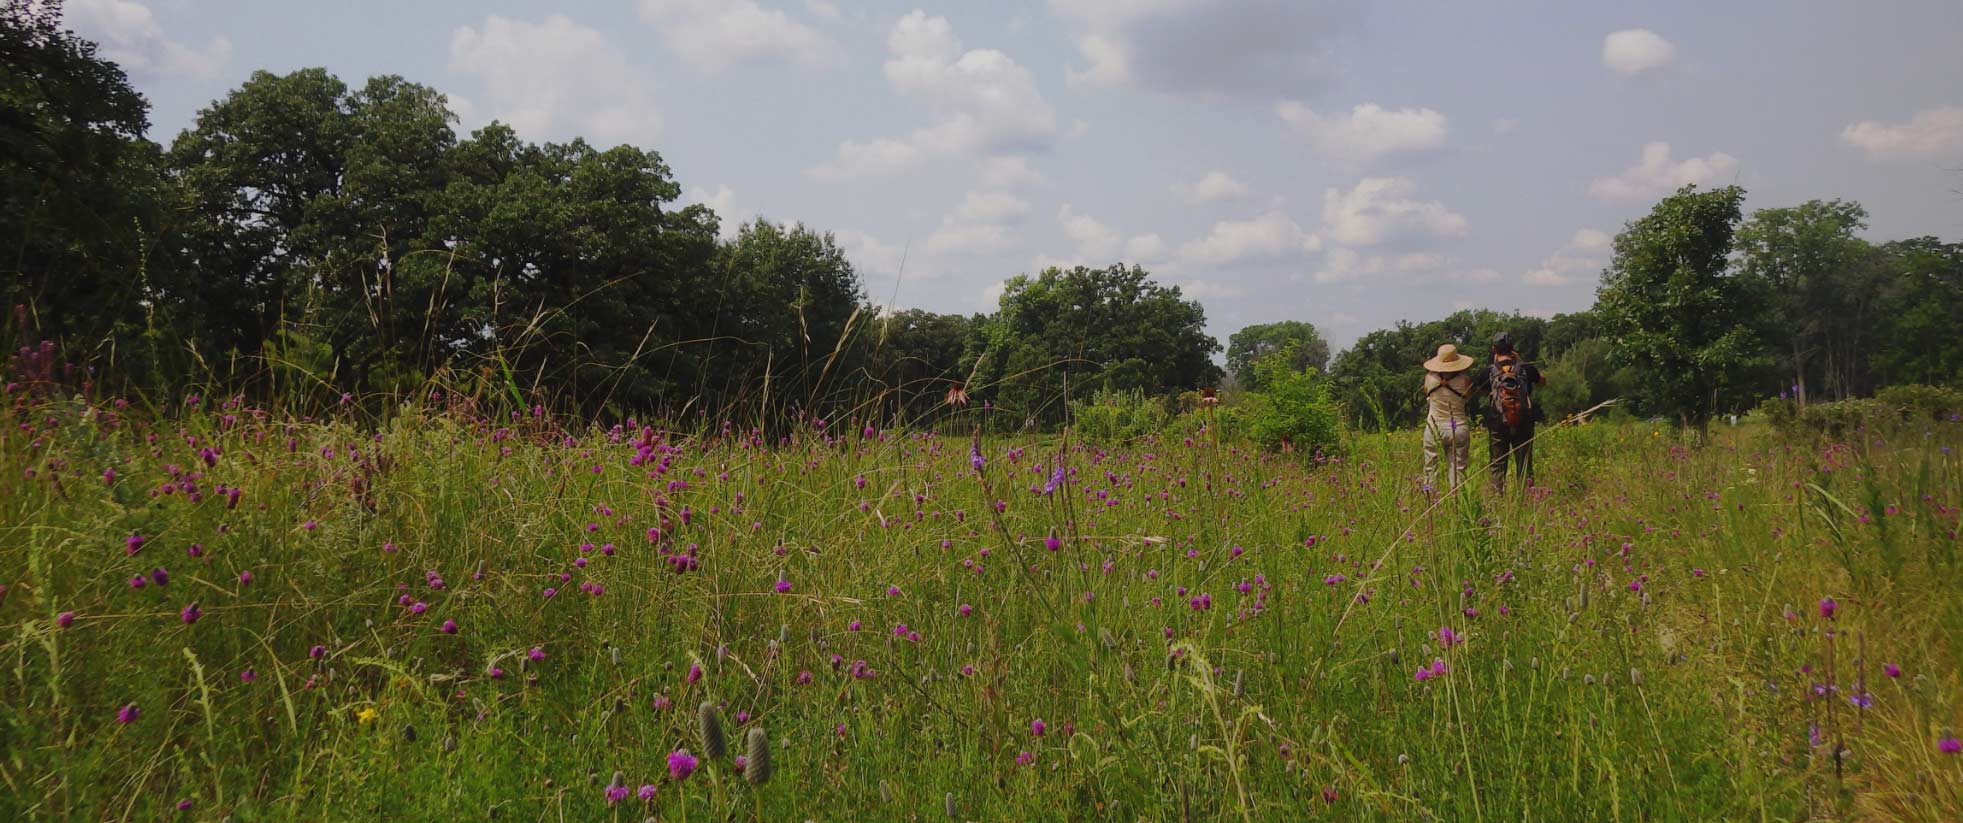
307,240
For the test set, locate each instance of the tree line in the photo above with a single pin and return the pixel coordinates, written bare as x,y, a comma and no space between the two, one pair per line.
305,237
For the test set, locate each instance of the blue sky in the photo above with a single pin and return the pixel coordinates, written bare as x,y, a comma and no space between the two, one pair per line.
1344,163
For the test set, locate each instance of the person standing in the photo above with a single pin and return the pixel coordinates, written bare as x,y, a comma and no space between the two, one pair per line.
1448,428
1510,413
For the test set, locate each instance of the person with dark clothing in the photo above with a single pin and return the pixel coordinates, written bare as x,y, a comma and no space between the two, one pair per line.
1510,412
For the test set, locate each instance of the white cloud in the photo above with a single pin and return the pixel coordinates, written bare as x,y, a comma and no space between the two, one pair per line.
1009,172
1210,290
1095,241
1380,208
1247,48
1932,132
130,36
821,8
1270,236
1590,239
557,78
1634,51
868,254
1475,275
1570,261
985,103
1367,134
1144,248
715,34
991,296
956,237
1343,264
1214,186
1658,175
991,207
1505,125
722,201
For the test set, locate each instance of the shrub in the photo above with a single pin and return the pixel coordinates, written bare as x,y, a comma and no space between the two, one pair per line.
1118,416
1293,407
1927,402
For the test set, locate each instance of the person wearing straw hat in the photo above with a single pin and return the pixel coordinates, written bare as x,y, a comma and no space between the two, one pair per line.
1448,429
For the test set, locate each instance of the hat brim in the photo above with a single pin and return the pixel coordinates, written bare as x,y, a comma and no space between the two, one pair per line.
1460,363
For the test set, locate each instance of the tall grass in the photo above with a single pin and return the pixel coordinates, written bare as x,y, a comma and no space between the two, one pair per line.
1217,634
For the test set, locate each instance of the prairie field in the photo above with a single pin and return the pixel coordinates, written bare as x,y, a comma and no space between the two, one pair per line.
221,612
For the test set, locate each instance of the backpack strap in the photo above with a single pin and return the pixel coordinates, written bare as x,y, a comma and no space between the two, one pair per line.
1445,383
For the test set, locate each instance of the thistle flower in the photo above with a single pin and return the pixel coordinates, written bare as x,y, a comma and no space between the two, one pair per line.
681,764
709,721
756,766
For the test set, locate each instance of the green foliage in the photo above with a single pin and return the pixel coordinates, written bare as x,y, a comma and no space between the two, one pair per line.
1249,345
1923,402
1118,416
1064,333
1679,321
1821,284
1376,380
1294,409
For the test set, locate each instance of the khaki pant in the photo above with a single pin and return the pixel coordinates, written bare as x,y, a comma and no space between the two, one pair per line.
1518,445
1451,440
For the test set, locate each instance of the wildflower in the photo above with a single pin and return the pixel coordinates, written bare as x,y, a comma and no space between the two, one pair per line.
646,792
1828,607
128,714
1949,744
245,578
1038,727
783,586
536,654
449,627
1891,670
139,581
975,455
965,610
1052,543
160,576
418,607
248,676
694,673
184,805
681,764
191,613
957,395
65,619
615,794
1025,758
1448,638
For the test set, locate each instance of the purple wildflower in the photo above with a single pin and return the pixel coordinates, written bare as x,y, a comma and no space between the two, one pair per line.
1037,727
1828,607
191,613
681,764
128,714
65,619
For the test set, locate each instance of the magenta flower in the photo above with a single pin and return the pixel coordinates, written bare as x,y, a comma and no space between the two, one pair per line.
615,794
1038,727
646,792
317,652
783,586
694,673
418,607
966,610
65,619
1828,607
1949,744
681,764
1052,543
1892,670
245,578
133,544
128,714
160,576
191,613
248,676
449,627
536,654
1025,758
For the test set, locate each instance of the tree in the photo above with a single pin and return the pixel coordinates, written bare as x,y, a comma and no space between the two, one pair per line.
83,204
1819,280
1679,319
1306,348
788,304
916,358
1376,380
1922,301
1294,409
1071,332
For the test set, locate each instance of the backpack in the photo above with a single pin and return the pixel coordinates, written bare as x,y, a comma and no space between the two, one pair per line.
1512,396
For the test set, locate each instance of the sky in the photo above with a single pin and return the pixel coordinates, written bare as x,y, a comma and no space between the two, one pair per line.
1349,164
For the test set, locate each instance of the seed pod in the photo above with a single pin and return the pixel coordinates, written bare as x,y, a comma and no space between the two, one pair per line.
409,733
1635,677
885,793
615,652
756,765
714,745
619,779
947,803
449,743
1239,689
1393,656
1533,662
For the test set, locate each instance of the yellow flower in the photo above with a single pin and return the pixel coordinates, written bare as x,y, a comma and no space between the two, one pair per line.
366,714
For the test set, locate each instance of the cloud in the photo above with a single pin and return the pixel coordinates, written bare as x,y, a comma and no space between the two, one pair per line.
1145,248
722,201
1368,134
1562,267
1214,186
1634,51
1590,239
821,8
1658,175
868,254
715,34
1505,125
130,36
991,207
557,78
1270,236
1210,290
1009,172
1095,241
956,237
1932,132
984,102
1249,49
1344,264
1382,208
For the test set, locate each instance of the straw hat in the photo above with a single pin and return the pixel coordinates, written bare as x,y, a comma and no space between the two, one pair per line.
1448,360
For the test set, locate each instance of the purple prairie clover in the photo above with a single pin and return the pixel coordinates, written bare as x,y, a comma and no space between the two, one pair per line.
694,673
1828,607
317,652
783,586
1037,727
1948,744
449,627
1052,543
245,578
646,792
160,576
248,675
65,619
1891,670
139,581
615,794
681,764
536,654
128,714
133,544
190,613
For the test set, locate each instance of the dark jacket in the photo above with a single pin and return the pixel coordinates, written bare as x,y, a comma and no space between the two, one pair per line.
1488,379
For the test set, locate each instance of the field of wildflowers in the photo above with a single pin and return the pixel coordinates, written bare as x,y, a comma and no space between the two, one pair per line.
217,612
